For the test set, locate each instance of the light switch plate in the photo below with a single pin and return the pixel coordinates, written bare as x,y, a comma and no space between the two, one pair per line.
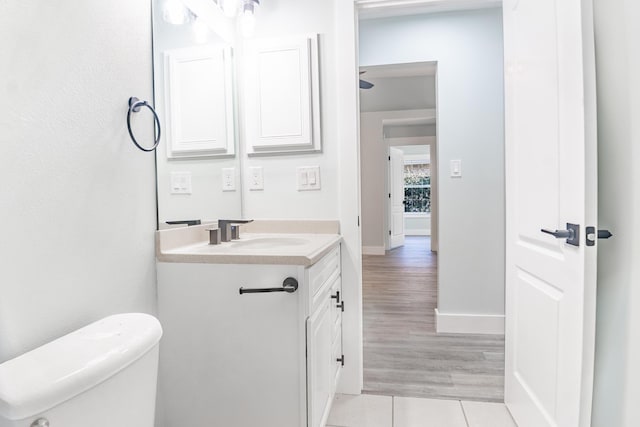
456,168
181,183
256,178
228,179
308,178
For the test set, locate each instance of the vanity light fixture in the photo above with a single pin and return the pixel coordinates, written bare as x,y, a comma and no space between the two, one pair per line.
230,7
200,30
175,12
248,18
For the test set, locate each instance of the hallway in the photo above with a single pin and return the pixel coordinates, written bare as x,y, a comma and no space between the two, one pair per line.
403,356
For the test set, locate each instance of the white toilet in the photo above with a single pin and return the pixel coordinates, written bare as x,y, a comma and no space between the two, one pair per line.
103,375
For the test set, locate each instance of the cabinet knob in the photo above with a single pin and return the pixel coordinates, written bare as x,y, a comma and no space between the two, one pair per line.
341,306
341,360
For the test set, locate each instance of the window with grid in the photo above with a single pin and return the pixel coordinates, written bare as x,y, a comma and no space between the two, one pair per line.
417,188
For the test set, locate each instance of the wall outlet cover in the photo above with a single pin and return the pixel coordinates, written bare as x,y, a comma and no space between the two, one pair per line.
181,183
456,168
256,178
308,178
228,179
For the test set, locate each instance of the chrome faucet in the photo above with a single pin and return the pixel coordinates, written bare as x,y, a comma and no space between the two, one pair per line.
229,228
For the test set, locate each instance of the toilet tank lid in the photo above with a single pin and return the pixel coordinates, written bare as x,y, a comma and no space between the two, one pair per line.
49,375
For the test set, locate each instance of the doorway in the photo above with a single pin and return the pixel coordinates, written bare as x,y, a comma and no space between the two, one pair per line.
433,316
550,81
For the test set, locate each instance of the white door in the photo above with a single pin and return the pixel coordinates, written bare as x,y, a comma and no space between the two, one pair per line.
551,181
396,198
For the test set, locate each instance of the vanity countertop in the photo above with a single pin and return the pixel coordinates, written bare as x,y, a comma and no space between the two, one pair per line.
190,245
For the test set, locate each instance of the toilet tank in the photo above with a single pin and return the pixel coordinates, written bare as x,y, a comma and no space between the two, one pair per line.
103,375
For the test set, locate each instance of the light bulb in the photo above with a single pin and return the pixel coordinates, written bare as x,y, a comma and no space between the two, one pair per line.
248,21
175,12
230,8
200,31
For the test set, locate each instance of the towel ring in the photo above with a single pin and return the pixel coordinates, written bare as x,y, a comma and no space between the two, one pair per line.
134,106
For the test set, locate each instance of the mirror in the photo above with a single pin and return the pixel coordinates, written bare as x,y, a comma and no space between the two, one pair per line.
198,164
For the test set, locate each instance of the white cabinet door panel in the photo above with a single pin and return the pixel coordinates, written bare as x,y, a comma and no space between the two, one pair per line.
199,102
320,369
282,99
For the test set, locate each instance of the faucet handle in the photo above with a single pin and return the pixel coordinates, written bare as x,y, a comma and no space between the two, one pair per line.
214,236
230,228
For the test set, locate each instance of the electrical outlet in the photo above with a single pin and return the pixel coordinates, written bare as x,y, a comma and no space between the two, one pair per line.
228,179
256,178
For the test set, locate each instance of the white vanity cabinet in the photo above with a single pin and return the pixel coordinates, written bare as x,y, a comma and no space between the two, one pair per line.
249,360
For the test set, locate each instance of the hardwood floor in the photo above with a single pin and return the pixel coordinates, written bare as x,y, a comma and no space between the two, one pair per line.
403,356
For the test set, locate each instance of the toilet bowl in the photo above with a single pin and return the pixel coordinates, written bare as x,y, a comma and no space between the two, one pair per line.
103,375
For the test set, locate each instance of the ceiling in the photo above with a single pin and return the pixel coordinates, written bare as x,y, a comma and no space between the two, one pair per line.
413,69
409,86
375,9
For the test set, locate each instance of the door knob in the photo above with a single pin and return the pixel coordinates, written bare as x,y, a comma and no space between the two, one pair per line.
560,234
572,234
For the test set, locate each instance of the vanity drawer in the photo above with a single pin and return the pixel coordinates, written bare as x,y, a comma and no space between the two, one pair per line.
322,274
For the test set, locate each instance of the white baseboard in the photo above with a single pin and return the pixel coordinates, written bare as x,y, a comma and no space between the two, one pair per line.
373,250
450,323
418,232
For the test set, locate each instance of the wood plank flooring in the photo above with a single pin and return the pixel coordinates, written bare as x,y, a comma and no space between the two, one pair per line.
403,356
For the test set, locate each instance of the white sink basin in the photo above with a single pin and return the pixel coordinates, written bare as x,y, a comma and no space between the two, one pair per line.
269,242
257,248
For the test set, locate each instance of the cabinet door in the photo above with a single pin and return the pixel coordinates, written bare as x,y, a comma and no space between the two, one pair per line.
336,333
319,365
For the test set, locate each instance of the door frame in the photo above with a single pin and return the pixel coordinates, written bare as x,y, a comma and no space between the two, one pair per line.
346,16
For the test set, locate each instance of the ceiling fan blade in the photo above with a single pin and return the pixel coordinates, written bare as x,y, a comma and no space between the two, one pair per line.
365,84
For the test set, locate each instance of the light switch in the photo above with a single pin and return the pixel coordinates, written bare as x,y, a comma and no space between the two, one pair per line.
302,178
311,175
308,178
456,168
256,178
228,179
181,183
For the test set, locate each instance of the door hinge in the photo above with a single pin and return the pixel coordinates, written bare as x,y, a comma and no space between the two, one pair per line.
341,360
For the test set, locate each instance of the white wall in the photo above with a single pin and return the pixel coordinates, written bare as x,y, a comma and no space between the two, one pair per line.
77,200
468,49
417,225
617,377
280,198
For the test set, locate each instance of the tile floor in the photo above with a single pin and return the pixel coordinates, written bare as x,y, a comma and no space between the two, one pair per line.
368,410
